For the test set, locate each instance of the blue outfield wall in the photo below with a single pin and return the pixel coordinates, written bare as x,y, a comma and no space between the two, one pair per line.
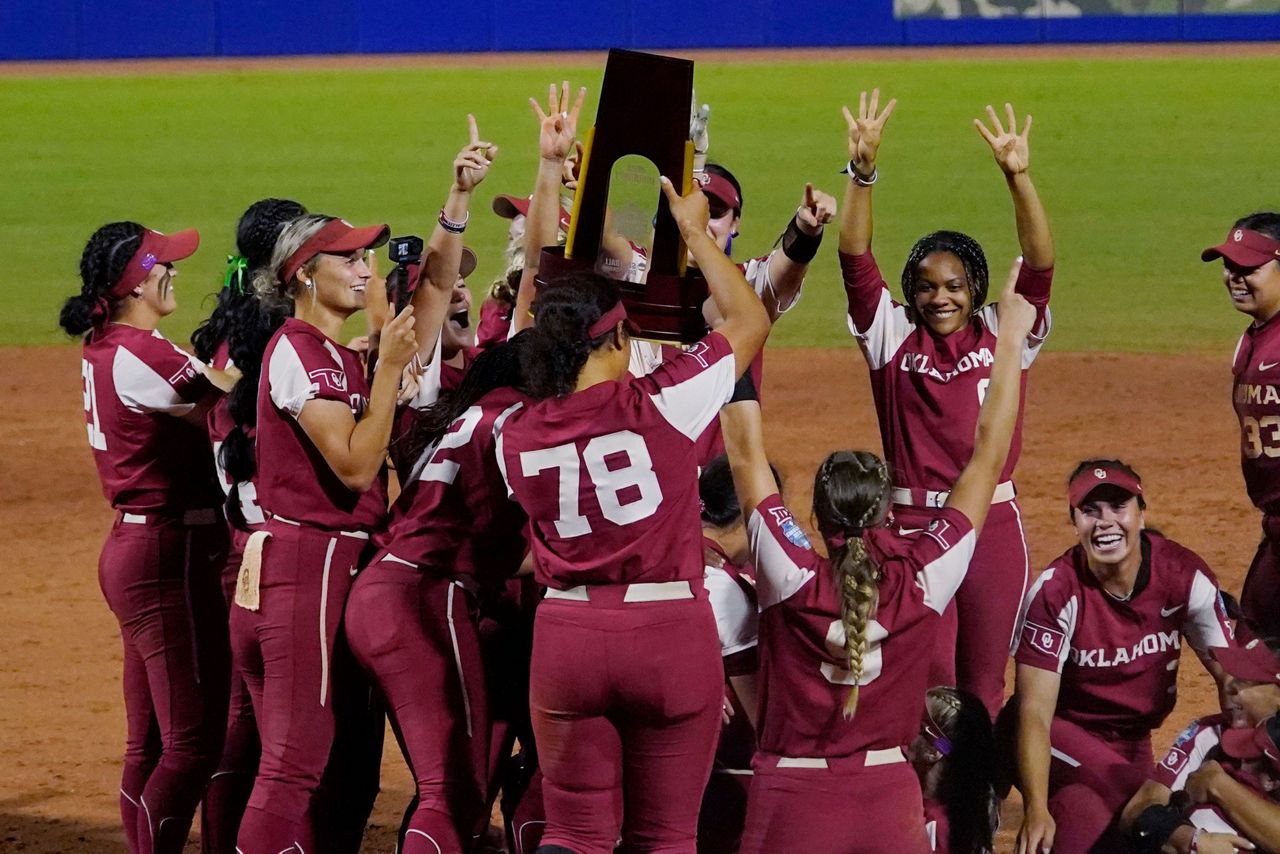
102,29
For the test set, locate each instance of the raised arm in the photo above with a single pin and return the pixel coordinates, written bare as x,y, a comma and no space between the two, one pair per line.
355,450
800,244
1037,693
743,430
557,132
1013,155
865,131
746,323
443,254
972,492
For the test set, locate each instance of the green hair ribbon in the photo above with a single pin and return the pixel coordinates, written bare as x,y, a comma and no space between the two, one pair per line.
237,265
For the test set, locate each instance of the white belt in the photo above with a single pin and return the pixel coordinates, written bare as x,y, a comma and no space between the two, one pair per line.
356,535
650,591
872,758
203,516
908,497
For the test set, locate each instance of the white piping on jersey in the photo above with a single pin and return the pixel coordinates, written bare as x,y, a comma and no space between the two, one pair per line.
1026,577
457,659
424,836
140,389
519,835
324,629
1058,754
497,438
1202,625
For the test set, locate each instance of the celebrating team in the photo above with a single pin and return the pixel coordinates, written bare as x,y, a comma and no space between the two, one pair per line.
573,566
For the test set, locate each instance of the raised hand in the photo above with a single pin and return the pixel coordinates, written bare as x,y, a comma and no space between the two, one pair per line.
473,162
865,130
1009,147
816,210
559,123
691,212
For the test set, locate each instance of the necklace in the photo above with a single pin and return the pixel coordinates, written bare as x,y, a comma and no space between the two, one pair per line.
1116,596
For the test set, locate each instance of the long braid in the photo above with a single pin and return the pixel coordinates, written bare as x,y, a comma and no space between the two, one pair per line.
964,247
849,495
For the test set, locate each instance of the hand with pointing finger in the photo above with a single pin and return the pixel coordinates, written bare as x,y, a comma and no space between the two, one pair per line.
816,210
472,163
1009,147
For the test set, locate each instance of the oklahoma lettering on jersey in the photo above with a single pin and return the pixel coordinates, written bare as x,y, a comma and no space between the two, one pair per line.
453,515
1119,660
1256,398
928,389
137,387
302,364
803,675
609,474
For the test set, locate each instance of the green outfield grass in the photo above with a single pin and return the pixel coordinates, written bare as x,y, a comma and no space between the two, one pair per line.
1141,163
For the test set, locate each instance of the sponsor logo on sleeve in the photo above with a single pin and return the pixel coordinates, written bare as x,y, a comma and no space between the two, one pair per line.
1174,760
787,525
1043,639
942,531
331,377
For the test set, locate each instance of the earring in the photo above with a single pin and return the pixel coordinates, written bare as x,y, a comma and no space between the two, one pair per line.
310,284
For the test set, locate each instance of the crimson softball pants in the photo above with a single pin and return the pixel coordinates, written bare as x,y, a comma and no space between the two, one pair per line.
847,808
414,632
161,579
306,694
229,788
1260,598
625,698
1091,777
976,633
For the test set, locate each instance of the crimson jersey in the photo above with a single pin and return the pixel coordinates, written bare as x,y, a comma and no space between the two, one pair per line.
732,591
495,323
220,424
804,680
453,513
294,481
1190,749
928,389
937,827
451,377
1119,659
609,474
137,386
1256,396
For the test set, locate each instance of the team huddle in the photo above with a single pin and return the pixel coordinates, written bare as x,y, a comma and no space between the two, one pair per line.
590,603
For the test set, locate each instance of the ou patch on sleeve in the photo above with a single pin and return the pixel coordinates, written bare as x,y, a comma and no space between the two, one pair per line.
1043,639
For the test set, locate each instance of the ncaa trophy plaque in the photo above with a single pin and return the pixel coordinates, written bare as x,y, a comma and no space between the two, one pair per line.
643,116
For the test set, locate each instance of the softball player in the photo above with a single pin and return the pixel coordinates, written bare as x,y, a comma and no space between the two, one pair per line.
1251,272
145,403
1253,694
626,680
930,363
236,335
321,439
842,677
1097,658
954,757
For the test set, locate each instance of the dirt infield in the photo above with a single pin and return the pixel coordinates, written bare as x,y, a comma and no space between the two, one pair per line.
61,719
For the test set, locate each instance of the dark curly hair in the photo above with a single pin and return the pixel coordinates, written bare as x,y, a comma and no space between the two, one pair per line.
1263,222
248,325
101,264
498,366
558,345
960,245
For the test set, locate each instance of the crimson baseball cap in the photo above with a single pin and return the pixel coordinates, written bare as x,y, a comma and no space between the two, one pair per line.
1244,247
1255,742
155,248
1101,475
1253,662
510,207
719,187
337,237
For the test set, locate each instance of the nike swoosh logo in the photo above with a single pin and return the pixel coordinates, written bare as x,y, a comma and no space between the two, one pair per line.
1165,612
1266,366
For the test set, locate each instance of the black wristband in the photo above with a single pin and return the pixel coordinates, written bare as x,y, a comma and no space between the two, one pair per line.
745,389
799,246
1153,827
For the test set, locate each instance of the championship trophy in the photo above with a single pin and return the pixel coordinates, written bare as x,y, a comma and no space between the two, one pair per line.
643,116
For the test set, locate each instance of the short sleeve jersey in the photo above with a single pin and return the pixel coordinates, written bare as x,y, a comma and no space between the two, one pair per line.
1119,659
804,676
302,364
137,386
453,514
609,474
928,389
220,425
1256,397
1190,749
731,589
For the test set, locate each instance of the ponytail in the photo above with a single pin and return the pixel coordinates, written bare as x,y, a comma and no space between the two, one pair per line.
850,494
101,264
559,344
966,786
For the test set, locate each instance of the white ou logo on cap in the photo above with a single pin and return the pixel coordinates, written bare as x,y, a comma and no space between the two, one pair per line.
1101,474
1237,235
